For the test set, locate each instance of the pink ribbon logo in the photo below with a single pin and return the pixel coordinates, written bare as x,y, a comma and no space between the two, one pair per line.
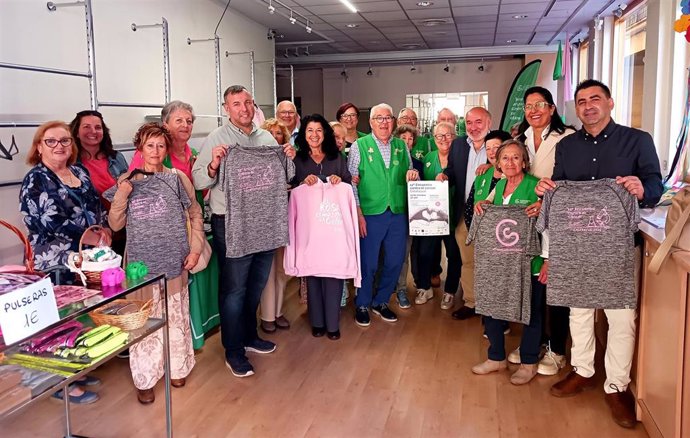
504,235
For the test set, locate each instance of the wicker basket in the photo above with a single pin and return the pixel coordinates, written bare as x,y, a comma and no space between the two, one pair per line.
93,276
28,253
130,321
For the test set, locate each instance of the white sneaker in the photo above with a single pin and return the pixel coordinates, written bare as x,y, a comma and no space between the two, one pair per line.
423,295
551,363
447,301
514,356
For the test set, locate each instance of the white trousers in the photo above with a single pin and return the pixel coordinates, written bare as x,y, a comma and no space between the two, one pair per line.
619,349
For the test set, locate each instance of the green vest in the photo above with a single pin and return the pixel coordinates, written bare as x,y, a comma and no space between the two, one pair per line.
167,162
380,188
361,134
523,195
421,147
482,185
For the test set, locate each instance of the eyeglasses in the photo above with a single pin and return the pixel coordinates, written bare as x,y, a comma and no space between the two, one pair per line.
407,118
442,136
382,119
287,113
53,142
349,116
537,105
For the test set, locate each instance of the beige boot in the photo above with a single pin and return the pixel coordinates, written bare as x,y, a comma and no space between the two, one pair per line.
489,366
524,374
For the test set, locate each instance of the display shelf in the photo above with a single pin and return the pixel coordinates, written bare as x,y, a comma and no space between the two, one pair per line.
135,336
79,308
83,307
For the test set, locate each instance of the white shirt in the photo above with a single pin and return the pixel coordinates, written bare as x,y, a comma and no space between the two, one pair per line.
474,160
543,159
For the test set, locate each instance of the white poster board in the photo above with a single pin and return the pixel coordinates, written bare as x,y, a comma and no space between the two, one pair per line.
428,208
28,310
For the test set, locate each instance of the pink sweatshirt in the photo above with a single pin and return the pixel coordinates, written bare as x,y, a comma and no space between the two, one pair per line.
324,232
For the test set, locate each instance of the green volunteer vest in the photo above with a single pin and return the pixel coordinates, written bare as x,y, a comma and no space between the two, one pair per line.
421,147
482,185
524,196
380,188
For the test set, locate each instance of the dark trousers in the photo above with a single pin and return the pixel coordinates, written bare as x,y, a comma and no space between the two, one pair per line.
387,231
427,248
323,302
242,279
530,344
558,318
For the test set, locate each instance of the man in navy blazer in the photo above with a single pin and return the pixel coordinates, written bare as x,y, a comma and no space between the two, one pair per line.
466,154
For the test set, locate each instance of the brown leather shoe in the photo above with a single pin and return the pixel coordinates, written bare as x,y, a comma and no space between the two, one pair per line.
178,383
282,322
268,326
464,313
622,407
573,384
436,281
146,396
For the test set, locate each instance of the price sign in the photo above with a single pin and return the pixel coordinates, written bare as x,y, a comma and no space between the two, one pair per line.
26,311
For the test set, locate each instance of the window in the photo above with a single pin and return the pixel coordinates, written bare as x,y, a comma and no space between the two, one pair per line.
427,106
583,65
628,69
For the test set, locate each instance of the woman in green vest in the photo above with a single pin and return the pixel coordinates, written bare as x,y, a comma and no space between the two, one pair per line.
517,188
434,163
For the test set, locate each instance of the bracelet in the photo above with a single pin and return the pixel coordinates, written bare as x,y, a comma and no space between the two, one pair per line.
211,168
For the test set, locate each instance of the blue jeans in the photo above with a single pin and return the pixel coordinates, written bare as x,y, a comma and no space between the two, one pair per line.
388,231
242,279
530,344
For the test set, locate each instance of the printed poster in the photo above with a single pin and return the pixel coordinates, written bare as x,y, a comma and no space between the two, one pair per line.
428,208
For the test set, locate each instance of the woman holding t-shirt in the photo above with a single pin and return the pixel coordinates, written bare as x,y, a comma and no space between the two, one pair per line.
515,189
317,158
155,204
541,130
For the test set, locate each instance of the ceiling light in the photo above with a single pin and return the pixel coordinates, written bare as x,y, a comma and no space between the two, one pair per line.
520,17
511,41
349,5
307,27
424,4
286,55
413,68
292,19
271,9
433,22
352,25
343,73
447,67
618,12
370,72
411,46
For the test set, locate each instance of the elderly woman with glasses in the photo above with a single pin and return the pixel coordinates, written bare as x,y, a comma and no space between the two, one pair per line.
57,198
436,162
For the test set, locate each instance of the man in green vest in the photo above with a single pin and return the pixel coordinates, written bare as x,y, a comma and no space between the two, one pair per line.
383,165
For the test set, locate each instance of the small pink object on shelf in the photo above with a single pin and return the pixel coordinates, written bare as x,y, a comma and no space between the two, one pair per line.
112,277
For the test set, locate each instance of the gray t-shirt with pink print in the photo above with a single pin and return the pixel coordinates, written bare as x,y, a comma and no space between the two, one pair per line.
591,244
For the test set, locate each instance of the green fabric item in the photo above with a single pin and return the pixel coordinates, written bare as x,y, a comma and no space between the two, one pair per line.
461,128
523,195
374,176
482,185
361,134
432,167
513,110
558,66
203,300
421,147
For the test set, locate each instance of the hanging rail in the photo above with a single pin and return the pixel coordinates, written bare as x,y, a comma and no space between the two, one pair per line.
219,98
166,52
251,67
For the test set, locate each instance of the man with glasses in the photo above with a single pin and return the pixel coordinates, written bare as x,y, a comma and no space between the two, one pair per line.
287,113
466,154
421,146
383,165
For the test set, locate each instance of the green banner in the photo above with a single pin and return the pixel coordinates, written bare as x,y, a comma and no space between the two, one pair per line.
558,65
512,111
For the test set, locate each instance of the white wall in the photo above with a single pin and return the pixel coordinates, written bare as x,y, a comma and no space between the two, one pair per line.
129,67
308,86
